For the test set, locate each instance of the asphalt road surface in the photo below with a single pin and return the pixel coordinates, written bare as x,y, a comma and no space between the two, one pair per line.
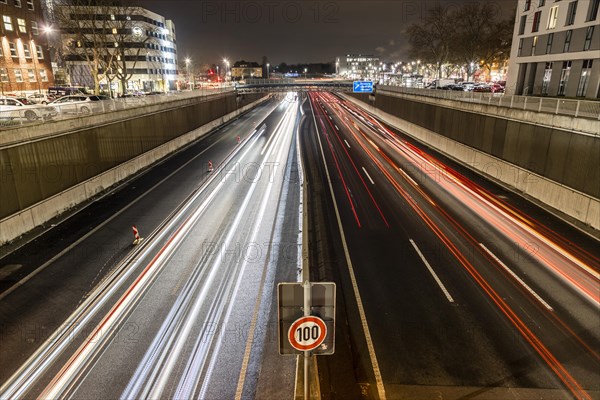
189,311
446,288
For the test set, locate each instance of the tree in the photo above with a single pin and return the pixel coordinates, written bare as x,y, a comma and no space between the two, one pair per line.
100,35
125,43
479,38
431,38
83,24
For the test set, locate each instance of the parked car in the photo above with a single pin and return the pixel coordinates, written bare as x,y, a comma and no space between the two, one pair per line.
482,88
497,88
40,98
19,107
467,86
83,104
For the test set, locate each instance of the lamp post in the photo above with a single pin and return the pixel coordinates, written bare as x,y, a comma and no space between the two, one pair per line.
305,71
188,61
268,65
226,62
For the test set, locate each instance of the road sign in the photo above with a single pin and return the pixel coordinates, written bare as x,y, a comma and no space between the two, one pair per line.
362,87
290,299
307,333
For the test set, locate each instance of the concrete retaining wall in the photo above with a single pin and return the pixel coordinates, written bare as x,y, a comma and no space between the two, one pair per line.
42,178
558,168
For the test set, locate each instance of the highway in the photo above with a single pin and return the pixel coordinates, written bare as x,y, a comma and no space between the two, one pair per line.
449,286
188,312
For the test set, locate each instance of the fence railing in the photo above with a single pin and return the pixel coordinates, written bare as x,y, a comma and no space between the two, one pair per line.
41,114
551,105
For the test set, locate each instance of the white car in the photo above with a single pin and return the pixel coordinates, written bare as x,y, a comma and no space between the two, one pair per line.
40,98
20,108
83,104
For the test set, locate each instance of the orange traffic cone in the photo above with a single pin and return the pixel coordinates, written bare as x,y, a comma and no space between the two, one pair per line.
136,235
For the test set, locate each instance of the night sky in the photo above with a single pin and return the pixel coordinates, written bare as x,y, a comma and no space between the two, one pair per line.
295,31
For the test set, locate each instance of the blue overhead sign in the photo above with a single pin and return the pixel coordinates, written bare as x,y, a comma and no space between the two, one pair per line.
362,87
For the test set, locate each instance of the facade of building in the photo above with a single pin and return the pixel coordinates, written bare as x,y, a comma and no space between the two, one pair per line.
357,66
246,69
555,49
140,44
24,57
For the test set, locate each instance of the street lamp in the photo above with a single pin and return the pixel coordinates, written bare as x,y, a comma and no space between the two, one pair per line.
268,65
188,61
305,71
226,61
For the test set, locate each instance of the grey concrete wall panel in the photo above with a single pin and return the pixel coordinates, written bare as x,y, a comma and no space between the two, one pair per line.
34,171
555,164
582,165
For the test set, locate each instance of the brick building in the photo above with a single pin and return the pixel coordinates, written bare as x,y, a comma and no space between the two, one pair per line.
25,64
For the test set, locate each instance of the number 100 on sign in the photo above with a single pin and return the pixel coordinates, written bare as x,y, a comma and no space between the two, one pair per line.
307,333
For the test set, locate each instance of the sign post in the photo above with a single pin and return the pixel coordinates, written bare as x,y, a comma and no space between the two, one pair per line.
306,321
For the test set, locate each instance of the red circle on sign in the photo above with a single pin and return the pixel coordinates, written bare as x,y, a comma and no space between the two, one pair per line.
313,341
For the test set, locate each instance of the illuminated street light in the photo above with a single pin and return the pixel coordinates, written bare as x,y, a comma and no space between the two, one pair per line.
268,65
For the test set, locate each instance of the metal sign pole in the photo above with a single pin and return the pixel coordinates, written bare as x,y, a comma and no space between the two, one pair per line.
307,303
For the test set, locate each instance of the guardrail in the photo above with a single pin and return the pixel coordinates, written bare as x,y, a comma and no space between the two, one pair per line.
551,105
43,113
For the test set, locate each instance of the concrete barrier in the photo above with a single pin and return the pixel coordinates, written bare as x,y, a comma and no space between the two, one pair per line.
581,209
30,217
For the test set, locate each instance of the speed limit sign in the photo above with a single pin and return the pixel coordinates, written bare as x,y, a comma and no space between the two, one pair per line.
307,333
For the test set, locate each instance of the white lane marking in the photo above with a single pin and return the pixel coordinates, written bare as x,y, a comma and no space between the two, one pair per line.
336,127
368,176
437,279
407,176
361,309
526,286
347,144
330,117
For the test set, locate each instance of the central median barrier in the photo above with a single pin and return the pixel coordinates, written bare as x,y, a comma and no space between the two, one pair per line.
47,169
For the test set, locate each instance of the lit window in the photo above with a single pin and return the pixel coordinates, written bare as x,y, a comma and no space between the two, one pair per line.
22,25
30,5
534,45
26,50
7,23
18,75
39,52
43,75
112,17
564,78
31,75
114,31
13,49
34,28
3,75
584,78
553,17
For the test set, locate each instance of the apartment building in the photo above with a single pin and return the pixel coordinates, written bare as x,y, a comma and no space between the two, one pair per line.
556,49
24,56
